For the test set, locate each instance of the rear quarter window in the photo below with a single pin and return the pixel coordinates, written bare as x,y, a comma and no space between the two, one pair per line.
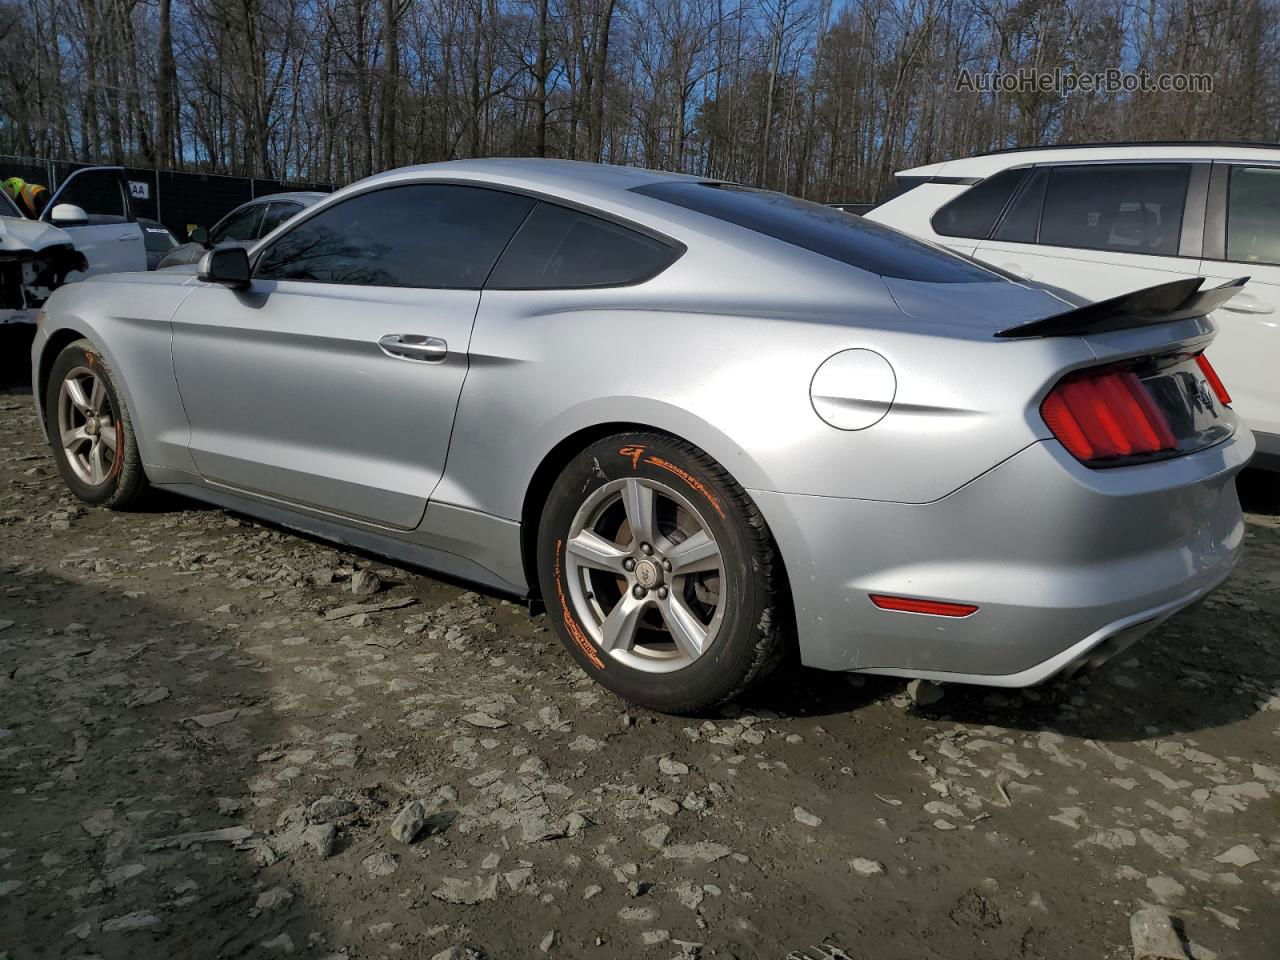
855,241
974,212
559,248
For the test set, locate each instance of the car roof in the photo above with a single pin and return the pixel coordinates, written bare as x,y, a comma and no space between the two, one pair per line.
605,187
986,164
307,197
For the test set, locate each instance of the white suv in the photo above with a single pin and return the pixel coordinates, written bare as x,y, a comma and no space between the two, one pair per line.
1102,220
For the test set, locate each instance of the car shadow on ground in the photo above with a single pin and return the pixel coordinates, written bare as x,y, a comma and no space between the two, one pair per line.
1207,668
114,743
1260,491
15,357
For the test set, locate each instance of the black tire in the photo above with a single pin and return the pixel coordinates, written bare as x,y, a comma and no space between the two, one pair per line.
755,633
125,483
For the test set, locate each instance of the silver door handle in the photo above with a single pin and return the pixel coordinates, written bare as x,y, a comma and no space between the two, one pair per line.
1017,270
412,346
128,236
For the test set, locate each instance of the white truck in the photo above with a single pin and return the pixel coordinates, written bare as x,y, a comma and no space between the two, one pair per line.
87,227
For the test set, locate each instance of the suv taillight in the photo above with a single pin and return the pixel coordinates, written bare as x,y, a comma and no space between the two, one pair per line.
1106,415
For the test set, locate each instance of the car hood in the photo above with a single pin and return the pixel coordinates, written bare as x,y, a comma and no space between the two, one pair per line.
19,235
982,309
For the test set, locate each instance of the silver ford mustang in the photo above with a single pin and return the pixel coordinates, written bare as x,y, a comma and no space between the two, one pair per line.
704,424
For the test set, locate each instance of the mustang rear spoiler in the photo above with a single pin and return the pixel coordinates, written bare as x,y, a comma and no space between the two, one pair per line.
1163,303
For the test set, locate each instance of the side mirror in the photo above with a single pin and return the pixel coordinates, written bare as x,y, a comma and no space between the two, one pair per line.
228,266
199,235
68,215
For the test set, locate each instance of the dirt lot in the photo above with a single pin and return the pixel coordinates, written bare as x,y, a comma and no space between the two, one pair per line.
201,757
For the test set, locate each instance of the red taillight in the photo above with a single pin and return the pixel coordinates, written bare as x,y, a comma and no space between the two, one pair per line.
1215,381
933,607
1100,416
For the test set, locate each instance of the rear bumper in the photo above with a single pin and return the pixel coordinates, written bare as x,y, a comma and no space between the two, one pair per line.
1065,563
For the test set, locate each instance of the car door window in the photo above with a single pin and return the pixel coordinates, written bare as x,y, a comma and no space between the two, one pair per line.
239,226
1253,215
426,235
559,248
974,212
99,193
1124,208
278,211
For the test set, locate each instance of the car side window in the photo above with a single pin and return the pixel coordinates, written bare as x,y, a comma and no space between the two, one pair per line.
426,235
1253,215
239,226
278,211
974,212
1124,208
1021,222
559,248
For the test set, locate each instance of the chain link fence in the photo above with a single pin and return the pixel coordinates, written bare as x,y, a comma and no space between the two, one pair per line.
180,201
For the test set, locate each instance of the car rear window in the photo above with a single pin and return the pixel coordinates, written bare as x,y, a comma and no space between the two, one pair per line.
559,248
158,239
852,240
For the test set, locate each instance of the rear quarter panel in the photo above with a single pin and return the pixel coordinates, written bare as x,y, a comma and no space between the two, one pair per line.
730,372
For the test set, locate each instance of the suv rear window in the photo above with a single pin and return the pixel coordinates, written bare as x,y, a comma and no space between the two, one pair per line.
852,240
974,212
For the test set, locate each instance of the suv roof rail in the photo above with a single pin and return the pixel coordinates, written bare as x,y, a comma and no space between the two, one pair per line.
1132,143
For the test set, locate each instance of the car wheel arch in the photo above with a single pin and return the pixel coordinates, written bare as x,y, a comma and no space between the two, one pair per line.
553,463
57,341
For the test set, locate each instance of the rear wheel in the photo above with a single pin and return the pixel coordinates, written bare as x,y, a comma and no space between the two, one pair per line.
90,429
659,574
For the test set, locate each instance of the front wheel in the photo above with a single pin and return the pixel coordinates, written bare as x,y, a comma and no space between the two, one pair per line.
91,431
660,575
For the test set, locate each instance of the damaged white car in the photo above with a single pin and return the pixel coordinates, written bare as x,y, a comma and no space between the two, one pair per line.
68,242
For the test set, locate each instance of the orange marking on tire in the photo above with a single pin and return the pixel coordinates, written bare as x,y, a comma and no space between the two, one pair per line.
635,453
581,639
692,481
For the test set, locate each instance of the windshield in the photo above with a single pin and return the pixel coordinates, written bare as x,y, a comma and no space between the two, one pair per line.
8,208
833,233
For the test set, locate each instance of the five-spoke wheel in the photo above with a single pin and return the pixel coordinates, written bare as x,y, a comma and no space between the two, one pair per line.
87,426
644,573
660,575
88,423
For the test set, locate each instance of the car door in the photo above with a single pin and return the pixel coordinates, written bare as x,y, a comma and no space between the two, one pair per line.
1242,239
331,383
111,239
1102,229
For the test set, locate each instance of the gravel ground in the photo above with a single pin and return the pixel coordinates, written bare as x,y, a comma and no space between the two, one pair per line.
205,751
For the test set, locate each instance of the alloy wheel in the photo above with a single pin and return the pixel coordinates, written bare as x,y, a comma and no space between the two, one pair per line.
645,575
87,426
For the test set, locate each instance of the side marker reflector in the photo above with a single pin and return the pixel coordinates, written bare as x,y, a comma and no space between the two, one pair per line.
935,608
